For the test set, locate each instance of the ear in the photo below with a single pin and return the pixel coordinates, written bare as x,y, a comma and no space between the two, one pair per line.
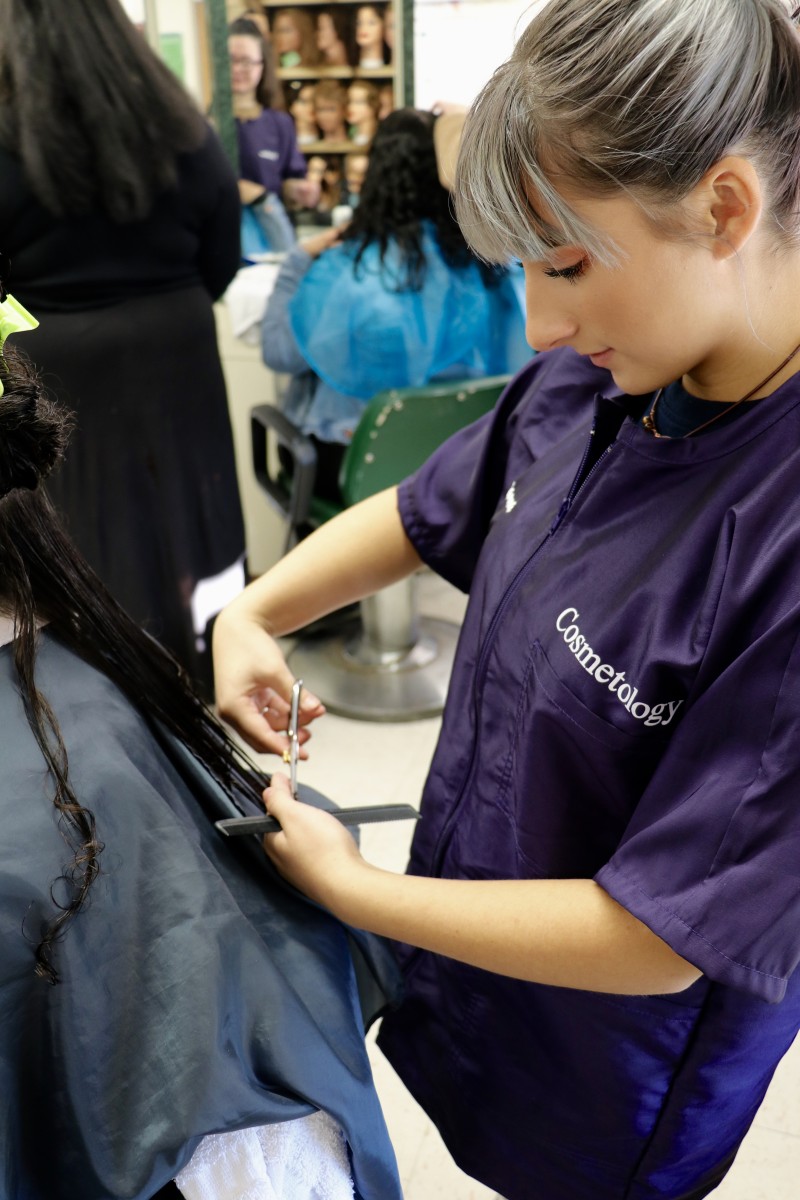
731,201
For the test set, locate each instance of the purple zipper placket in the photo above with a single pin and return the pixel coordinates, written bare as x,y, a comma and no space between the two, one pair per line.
578,485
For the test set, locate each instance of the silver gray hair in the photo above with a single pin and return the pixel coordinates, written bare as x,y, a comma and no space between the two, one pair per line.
643,97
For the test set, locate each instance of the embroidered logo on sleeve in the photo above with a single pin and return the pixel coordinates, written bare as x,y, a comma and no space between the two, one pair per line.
511,497
608,676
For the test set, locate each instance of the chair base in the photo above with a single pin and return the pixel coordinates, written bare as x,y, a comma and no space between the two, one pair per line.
352,680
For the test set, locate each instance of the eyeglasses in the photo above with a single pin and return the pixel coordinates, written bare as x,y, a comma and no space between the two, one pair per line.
5,270
247,62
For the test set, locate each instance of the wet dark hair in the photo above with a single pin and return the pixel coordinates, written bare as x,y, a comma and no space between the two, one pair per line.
269,92
44,578
95,117
401,190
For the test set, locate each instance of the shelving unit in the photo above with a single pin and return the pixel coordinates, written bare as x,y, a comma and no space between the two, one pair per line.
397,72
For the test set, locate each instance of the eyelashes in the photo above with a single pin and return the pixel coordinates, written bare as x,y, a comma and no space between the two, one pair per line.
571,274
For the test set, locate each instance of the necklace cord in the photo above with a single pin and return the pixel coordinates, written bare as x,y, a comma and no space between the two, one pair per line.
649,422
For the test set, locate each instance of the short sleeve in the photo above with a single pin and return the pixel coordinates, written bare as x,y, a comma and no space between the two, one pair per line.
711,859
447,505
295,166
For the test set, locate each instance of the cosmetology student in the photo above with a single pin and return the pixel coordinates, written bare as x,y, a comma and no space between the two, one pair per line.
158,983
601,924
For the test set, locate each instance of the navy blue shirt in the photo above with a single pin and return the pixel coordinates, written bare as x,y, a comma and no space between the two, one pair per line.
624,706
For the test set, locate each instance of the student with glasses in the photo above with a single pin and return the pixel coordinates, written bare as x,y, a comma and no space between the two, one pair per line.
270,162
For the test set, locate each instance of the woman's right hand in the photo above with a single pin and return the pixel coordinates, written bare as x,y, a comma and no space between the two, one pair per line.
253,683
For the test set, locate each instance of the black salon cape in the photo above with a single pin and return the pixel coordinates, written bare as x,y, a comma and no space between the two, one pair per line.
198,992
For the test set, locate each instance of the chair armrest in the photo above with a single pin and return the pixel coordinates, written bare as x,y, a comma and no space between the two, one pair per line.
291,496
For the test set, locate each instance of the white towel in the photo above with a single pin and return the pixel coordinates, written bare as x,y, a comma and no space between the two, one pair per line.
246,299
304,1159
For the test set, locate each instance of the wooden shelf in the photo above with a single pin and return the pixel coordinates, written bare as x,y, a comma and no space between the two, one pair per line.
287,74
342,147
392,76
306,3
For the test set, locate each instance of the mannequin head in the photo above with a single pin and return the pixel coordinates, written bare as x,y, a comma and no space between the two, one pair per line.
333,36
331,182
294,38
330,110
316,168
302,110
355,171
386,97
253,77
363,103
254,11
388,27
372,49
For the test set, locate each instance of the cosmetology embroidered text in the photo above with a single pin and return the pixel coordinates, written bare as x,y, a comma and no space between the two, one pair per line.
626,693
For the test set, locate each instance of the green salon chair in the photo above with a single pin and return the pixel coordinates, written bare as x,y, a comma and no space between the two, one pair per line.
396,665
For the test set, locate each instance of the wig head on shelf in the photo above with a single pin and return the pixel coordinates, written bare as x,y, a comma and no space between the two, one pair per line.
335,38
294,38
330,109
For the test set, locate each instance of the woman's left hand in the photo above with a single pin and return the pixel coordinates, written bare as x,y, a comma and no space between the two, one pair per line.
313,851
303,193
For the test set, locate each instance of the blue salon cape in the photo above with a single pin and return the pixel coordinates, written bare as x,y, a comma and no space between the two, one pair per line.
348,330
199,993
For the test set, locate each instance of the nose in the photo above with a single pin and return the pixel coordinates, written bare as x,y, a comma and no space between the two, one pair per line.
550,319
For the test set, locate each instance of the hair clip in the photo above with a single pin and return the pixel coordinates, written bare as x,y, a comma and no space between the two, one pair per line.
14,318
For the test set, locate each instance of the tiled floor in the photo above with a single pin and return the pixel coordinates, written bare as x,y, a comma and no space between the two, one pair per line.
356,762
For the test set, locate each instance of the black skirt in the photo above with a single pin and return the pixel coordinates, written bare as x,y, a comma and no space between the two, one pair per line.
148,488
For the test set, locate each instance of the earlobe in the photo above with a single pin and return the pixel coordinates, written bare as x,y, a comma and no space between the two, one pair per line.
734,204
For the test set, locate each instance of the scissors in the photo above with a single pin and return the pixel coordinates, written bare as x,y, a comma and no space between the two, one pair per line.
234,826
292,752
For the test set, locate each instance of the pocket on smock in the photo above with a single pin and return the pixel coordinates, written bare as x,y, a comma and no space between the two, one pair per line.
572,779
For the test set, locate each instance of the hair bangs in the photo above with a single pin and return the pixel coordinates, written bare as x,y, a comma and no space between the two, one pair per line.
505,200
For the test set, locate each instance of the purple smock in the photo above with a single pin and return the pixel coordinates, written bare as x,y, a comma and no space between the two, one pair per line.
268,150
624,706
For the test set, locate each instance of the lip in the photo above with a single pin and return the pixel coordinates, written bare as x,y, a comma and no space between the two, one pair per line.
602,358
